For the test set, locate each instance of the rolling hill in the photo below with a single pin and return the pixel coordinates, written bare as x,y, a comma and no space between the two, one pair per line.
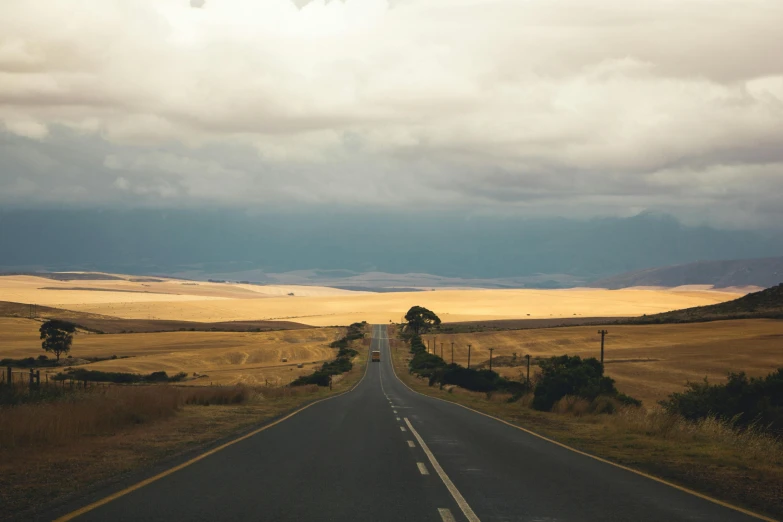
763,304
762,272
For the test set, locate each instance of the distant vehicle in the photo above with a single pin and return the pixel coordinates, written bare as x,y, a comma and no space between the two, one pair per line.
376,356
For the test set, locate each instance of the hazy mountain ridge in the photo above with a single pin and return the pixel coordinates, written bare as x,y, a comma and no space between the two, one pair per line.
762,272
212,241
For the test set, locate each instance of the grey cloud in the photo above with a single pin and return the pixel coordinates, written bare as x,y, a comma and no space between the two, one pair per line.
536,107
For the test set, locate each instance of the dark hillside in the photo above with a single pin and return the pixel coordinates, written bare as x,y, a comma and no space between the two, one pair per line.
766,303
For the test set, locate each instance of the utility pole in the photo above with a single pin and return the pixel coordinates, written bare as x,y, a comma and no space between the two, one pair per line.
603,334
528,369
490,358
468,357
452,352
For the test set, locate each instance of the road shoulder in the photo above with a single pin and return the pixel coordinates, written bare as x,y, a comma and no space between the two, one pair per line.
705,467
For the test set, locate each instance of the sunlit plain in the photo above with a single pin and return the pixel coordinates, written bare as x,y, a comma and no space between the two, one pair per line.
320,306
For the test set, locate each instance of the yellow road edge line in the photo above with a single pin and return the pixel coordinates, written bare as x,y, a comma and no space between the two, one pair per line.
599,459
150,480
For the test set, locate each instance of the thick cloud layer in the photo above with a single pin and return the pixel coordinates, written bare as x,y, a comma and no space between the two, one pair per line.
537,106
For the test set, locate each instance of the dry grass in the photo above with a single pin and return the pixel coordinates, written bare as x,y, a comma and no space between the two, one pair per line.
100,411
210,302
576,406
751,443
85,413
648,361
225,358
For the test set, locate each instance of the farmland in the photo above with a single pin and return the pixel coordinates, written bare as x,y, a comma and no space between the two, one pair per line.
647,361
217,357
238,349
178,300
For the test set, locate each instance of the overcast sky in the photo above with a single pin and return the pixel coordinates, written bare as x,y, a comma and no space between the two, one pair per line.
536,107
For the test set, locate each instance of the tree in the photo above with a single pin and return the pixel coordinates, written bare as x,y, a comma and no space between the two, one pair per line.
57,336
420,319
563,375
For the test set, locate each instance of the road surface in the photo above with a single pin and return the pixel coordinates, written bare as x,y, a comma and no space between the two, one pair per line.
385,453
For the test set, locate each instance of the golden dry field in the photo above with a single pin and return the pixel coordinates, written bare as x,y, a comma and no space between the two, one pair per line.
224,357
256,358
647,361
209,302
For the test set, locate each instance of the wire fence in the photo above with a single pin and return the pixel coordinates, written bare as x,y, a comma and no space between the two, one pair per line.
32,381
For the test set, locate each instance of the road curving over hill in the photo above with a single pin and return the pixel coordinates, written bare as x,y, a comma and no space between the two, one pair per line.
385,453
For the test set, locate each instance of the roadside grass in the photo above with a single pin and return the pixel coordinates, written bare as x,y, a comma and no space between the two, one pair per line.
53,451
744,468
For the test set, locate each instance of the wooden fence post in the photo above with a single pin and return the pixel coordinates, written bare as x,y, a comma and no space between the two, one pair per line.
38,378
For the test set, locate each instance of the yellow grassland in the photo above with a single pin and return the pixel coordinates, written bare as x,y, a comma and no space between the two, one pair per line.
647,361
224,357
208,302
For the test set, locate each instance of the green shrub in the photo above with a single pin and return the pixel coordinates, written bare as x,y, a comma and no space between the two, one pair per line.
743,401
81,374
157,377
416,344
318,377
29,362
423,361
470,379
571,376
627,400
341,364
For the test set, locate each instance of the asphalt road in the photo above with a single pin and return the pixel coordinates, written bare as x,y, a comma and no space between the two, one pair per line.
385,453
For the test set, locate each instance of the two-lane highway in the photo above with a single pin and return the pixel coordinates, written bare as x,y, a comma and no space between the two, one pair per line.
383,452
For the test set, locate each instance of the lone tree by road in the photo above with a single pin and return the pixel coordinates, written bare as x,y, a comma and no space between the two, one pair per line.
57,336
420,319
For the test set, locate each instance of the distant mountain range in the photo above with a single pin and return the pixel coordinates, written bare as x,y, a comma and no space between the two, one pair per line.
763,272
366,248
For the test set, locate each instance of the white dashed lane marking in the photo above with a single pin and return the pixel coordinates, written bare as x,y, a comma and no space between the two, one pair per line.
445,514
461,502
411,444
422,468
402,428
